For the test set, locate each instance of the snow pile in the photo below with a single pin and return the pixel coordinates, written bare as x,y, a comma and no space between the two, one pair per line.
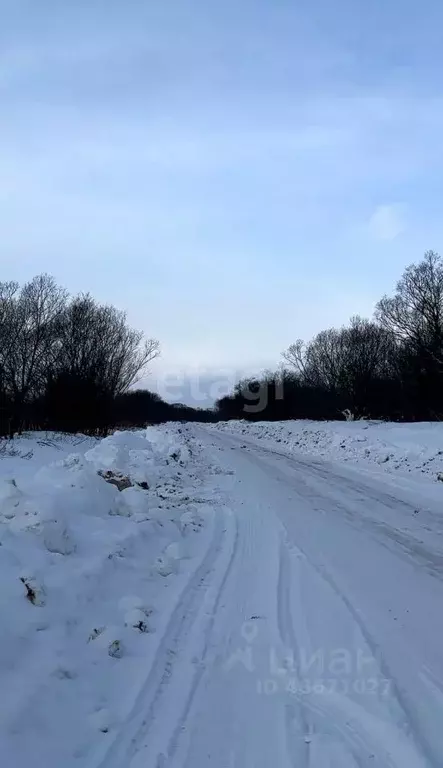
89,576
401,448
146,457
24,454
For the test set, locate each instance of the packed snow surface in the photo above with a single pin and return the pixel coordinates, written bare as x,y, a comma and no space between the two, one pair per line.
232,596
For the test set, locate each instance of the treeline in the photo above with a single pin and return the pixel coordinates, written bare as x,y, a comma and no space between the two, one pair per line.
389,367
71,363
68,363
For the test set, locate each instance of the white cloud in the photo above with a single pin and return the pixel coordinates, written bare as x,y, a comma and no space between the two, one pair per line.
387,222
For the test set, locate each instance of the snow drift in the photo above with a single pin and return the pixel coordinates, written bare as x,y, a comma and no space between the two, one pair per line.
413,449
89,575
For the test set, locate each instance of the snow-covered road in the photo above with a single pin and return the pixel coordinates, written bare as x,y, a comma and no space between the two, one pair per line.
237,606
317,639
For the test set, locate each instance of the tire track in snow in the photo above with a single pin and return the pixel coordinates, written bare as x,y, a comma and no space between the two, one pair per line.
137,724
321,718
297,743
174,740
358,490
397,744
305,720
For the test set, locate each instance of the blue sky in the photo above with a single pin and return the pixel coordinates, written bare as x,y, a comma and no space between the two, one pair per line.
235,175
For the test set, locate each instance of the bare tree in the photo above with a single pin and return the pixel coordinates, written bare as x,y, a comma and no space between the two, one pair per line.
415,312
8,293
99,357
127,354
295,357
61,356
29,320
345,361
415,315
319,362
96,341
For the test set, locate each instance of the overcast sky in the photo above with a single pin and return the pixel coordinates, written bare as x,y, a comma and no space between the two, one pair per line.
234,174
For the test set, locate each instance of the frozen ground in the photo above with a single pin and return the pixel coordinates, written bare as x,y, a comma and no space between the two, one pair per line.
252,607
415,449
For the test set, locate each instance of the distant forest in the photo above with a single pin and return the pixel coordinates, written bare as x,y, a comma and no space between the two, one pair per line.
389,367
71,364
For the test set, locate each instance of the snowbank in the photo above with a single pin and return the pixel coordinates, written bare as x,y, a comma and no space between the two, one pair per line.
415,449
89,576
24,454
